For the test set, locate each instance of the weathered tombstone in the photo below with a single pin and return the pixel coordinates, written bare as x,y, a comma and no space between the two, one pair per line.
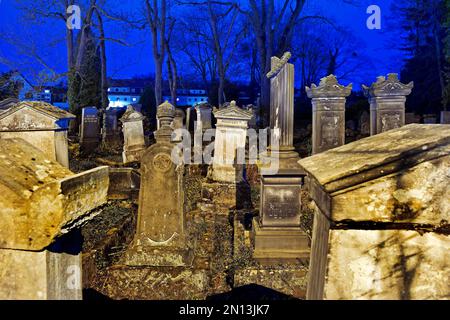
41,205
445,117
160,234
387,99
411,117
188,118
178,123
8,103
328,101
429,118
277,233
364,123
40,124
133,135
229,144
203,116
111,121
381,202
90,129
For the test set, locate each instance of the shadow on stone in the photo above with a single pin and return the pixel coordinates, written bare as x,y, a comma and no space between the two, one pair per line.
250,292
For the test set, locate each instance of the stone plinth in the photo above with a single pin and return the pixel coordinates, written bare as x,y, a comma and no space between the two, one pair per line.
40,124
229,144
133,134
41,206
387,99
328,103
382,211
160,236
203,111
445,117
90,130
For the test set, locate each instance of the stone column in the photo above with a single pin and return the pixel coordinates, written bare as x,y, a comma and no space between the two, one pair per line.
387,99
277,233
328,103
133,134
229,144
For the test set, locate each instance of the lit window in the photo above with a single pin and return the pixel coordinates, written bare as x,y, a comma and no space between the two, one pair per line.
134,99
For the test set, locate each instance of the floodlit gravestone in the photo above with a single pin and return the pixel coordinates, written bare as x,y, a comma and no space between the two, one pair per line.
277,233
160,238
8,103
203,116
133,135
178,123
328,102
42,204
382,208
387,99
229,143
90,129
445,117
40,124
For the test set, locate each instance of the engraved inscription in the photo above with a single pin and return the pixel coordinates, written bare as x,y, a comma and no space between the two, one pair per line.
162,162
389,121
329,131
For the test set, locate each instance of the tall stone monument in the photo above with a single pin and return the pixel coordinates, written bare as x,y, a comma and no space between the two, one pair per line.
387,99
328,102
178,123
160,234
229,144
133,134
277,233
90,129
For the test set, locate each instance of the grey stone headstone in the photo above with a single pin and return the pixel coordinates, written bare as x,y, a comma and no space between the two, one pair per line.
90,129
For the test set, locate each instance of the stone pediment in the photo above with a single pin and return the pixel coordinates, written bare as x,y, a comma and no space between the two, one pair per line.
233,112
388,87
42,108
328,87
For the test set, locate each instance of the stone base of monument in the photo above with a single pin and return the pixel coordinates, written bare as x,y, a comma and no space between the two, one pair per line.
279,243
89,145
147,256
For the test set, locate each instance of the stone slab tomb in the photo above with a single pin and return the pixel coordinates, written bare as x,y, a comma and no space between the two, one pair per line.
387,98
90,129
42,204
328,102
229,143
133,135
41,124
382,210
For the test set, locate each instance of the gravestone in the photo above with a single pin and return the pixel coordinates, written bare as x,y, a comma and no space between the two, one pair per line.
133,135
277,233
40,212
429,118
411,117
90,130
364,123
387,99
382,204
328,101
203,111
8,103
178,123
160,234
229,143
445,117
41,124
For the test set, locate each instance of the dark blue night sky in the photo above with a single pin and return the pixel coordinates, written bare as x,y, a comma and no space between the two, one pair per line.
380,50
